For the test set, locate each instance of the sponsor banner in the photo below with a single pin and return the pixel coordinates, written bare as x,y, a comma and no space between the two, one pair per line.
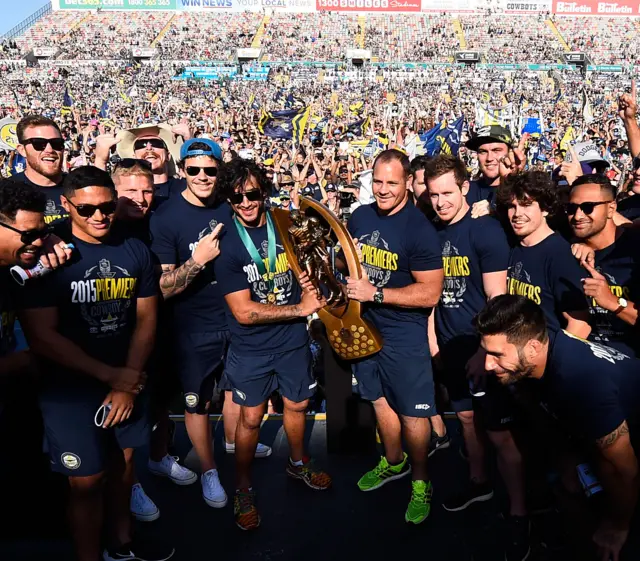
44,51
248,53
364,54
369,5
207,5
289,5
525,7
143,52
596,8
456,6
115,5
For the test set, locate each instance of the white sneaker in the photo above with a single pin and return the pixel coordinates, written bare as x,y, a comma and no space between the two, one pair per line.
212,490
262,450
142,507
169,467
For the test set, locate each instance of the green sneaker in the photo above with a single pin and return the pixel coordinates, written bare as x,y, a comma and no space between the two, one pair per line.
420,503
383,473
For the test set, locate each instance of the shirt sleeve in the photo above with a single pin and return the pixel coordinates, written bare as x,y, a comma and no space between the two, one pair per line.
229,268
566,275
162,243
148,281
425,253
492,247
40,292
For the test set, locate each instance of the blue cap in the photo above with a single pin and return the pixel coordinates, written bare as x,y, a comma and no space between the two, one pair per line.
213,149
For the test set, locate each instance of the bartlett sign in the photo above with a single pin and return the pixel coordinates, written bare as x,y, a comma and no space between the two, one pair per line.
593,7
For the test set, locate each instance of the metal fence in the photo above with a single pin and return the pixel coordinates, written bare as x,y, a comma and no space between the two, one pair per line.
27,23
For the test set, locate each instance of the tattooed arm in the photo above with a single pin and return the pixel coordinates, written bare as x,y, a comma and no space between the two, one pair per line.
618,471
248,312
175,280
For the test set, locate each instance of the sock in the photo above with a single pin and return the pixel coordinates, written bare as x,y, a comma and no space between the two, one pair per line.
297,464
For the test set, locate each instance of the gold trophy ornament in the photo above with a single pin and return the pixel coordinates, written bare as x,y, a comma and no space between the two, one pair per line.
308,234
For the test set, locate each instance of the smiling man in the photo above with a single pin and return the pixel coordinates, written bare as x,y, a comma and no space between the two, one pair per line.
41,144
593,390
403,281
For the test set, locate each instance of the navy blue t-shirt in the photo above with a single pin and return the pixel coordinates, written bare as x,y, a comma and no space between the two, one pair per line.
96,293
392,247
470,248
236,271
176,228
480,191
171,188
312,190
548,274
630,207
8,289
590,387
53,211
620,264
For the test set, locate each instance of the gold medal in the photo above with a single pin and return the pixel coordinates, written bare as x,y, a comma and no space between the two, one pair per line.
271,298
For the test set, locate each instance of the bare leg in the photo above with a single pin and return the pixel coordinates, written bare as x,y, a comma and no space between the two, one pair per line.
390,430
416,432
438,425
247,435
475,448
294,420
231,416
199,431
511,469
118,497
86,514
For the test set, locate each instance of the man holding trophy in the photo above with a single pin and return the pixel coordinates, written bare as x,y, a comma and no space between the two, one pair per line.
403,263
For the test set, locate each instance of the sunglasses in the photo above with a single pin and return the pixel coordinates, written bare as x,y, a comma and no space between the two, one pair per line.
128,163
87,211
154,142
39,144
287,185
587,207
252,196
192,171
27,237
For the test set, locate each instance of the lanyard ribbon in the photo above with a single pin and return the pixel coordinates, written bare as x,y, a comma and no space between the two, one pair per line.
266,272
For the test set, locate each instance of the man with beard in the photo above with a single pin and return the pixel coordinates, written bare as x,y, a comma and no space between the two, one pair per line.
185,233
41,144
93,325
267,310
594,391
496,159
611,281
157,145
540,266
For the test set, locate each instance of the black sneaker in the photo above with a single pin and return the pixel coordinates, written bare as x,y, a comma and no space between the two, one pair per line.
474,493
518,546
438,443
139,550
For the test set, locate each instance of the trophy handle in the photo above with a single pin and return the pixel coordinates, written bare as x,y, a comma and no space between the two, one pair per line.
350,336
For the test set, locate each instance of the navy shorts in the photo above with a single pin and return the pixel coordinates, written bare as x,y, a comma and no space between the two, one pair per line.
76,446
401,375
199,360
255,377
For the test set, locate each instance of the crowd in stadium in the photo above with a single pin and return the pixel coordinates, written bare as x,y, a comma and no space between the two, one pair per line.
493,211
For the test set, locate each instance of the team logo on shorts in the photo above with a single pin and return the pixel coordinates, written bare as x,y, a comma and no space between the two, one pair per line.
70,461
191,399
354,382
240,394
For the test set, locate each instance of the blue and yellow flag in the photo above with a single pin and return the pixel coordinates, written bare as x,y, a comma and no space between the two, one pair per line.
359,127
286,124
357,107
339,112
67,102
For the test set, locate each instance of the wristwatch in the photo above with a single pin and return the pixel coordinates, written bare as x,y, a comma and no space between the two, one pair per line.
378,297
622,305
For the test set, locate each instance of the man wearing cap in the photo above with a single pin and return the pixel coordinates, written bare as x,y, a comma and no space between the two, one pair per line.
496,158
157,144
185,239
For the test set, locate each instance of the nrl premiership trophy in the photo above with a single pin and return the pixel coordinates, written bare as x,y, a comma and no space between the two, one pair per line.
308,235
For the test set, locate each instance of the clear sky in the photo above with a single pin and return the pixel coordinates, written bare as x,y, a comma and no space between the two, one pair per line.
14,11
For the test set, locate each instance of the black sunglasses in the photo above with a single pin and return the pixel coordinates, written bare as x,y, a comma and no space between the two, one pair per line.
27,237
39,144
252,196
192,171
287,184
128,163
587,207
154,142
87,211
